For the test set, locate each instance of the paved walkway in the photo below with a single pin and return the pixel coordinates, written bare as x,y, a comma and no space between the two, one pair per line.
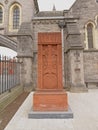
83,105
9,111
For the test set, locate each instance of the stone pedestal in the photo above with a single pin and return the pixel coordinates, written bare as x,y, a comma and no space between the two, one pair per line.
50,101
50,95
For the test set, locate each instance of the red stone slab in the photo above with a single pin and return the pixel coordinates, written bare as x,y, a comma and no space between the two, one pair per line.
50,95
50,101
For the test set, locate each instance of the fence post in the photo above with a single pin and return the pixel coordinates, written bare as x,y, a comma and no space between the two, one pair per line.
0,75
9,73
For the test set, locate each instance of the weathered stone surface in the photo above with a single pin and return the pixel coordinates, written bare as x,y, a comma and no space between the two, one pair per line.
25,54
76,70
91,67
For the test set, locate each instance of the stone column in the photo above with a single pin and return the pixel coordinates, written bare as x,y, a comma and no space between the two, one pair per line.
25,54
75,57
62,25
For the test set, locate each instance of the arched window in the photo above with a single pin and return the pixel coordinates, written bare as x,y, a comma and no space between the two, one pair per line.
15,17
90,35
1,14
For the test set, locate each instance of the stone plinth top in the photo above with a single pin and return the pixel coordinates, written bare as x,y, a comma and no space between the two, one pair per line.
49,38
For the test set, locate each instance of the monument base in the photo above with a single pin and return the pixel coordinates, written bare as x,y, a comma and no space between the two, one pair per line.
52,115
50,101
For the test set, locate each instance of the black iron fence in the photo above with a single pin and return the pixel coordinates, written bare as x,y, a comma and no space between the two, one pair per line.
9,73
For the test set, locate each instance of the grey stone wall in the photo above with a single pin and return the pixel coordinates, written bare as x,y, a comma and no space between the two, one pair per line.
86,11
91,66
67,71
25,54
34,71
26,72
75,58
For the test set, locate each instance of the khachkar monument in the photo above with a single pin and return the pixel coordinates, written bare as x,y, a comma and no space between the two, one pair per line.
50,100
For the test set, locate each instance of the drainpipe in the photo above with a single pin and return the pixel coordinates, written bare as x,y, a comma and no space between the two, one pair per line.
62,26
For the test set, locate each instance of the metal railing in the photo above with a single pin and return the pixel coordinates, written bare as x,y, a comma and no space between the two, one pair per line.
9,73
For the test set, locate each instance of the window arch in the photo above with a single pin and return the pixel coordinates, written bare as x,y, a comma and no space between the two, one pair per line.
1,14
15,17
90,37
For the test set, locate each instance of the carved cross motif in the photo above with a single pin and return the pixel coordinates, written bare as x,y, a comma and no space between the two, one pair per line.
49,61
49,65
77,55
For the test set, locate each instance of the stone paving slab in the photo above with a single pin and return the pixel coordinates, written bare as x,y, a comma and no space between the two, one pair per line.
83,105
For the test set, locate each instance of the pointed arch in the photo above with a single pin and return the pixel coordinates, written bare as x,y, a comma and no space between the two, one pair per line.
15,17
90,35
89,30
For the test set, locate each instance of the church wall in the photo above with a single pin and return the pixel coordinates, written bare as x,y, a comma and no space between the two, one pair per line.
25,54
86,11
91,67
26,72
67,71
27,10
